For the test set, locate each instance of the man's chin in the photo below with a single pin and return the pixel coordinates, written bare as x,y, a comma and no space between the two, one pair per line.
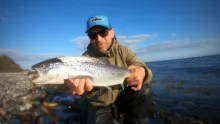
101,50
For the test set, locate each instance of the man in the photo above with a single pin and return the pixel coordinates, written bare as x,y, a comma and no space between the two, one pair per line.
104,107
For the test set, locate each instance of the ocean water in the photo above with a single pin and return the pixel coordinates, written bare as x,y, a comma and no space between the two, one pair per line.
186,90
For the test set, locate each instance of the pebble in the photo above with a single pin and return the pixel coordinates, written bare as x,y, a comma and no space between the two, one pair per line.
46,119
38,111
14,121
2,112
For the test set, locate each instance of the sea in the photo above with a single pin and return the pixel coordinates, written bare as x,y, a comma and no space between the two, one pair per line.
186,91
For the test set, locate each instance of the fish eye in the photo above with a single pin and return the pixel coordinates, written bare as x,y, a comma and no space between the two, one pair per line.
42,66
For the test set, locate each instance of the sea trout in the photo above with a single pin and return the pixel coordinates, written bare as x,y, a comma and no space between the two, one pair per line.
102,74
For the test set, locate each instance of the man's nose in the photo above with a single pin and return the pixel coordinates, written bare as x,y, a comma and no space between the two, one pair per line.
98,38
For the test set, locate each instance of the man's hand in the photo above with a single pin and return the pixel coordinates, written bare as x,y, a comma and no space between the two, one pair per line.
136,77
78,86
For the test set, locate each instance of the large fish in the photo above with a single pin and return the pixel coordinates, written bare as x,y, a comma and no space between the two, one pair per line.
102,74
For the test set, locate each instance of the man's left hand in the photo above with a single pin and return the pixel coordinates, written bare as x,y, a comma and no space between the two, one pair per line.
136,77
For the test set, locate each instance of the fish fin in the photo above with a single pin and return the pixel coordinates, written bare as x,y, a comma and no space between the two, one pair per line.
79,76
110,89
103,60
54,81
122,86
39,81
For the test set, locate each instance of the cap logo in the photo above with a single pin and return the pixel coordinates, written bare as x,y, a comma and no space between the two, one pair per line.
95,19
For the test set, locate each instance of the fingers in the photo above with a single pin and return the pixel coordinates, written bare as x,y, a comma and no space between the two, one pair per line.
88,85
71,84
75,82
79,86
73,92
80,89
136,77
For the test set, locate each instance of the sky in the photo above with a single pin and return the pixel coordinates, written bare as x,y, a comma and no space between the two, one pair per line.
35,30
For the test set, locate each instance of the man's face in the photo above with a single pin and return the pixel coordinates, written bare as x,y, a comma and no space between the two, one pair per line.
101,38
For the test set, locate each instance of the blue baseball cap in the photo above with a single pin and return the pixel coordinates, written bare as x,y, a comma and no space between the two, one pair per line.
97,20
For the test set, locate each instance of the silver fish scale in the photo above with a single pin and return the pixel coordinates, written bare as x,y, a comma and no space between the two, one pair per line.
96,69
80,59
51,66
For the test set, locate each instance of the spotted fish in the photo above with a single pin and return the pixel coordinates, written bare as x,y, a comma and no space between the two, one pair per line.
102,74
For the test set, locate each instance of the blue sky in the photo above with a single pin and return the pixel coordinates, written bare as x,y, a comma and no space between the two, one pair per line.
34,30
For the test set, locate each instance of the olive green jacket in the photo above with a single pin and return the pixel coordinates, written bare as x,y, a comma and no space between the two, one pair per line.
117,55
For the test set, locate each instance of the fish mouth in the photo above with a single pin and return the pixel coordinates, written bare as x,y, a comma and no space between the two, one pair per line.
39,80
38,77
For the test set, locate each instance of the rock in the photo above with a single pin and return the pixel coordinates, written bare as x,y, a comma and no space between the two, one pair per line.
50,104
14,121
14,111
46,119
14,86
2,86
26,106
11,103
26,117
32,74
8,65
26,71
2,112
186,103
23,102
38,111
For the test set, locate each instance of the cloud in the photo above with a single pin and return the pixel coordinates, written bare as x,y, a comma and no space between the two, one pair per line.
179,49
26,60
173,34
81,42
161,51
130,41
133,40
164,46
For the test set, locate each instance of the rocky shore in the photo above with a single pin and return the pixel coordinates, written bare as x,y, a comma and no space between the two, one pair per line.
22,102
15,90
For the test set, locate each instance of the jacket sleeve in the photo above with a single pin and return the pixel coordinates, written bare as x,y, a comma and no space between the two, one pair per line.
132,59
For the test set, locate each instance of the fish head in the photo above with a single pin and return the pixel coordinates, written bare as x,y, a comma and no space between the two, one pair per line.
48,71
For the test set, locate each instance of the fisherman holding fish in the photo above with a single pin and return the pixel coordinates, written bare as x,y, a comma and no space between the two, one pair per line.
108,75
133,100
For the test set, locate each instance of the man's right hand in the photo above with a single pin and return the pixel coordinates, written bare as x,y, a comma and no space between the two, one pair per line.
78,86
